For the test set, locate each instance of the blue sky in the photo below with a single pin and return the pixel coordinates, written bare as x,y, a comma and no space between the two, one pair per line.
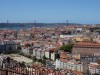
49,11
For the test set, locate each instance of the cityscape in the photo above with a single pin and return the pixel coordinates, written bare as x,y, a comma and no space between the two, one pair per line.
49,46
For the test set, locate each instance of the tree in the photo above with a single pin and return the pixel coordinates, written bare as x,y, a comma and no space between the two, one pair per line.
34,58
22,64
19,47
44,57
28,45
21,53
39,60
67,48
8,59
57,56
29,56
95,74
69,32
44,62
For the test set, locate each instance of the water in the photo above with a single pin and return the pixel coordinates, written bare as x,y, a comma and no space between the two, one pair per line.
16,28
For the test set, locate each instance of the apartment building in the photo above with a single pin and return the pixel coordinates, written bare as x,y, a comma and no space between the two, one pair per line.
94,68
8,45
86,48
71,65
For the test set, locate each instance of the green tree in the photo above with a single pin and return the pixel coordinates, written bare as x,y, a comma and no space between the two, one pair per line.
44,62
8,59
39,60
22,64
44,57
28,45
67,48
21,53
28,56
34,58
96,74
19,47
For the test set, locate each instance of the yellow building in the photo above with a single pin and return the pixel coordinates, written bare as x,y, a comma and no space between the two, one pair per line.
83,38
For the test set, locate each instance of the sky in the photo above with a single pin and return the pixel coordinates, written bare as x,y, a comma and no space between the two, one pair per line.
50,11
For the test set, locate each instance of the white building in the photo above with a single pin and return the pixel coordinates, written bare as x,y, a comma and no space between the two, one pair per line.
70,36
94,68
2,57
25,50
71,65
39,51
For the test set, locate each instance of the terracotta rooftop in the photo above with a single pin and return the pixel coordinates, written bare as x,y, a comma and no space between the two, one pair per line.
77,73
87,44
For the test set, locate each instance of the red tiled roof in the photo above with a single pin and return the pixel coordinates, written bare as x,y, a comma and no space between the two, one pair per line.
77,73
87,44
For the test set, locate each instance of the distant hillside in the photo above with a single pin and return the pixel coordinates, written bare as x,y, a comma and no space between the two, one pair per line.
3,25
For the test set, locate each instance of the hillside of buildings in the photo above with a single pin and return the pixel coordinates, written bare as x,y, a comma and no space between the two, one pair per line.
60,50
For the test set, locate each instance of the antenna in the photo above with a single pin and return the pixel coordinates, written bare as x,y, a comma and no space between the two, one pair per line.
35,21
7,21
67,22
